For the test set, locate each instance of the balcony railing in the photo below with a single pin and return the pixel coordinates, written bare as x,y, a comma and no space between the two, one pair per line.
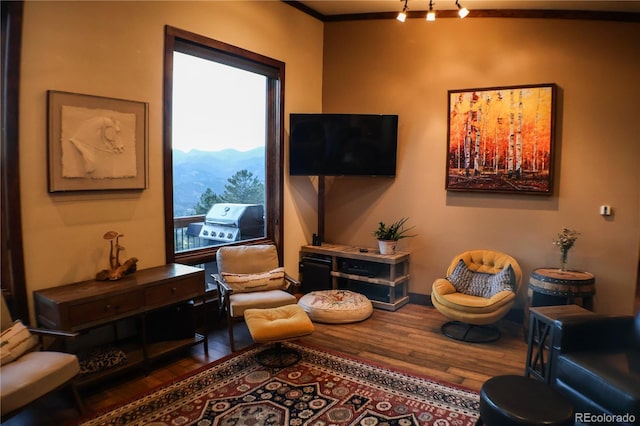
184,241
181,239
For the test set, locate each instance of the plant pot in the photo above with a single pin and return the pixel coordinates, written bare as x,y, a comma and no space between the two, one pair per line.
387,246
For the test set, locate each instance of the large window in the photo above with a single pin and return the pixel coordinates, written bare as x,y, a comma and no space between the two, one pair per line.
223,147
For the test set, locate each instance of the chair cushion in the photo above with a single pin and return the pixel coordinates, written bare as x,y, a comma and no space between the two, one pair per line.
243,283
239,302
247,259
33,375
336,306
479,283
609,379
15,341
282,323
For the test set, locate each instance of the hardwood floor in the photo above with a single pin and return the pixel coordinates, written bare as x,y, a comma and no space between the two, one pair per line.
408,339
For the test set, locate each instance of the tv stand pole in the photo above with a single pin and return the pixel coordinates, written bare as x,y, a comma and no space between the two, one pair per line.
321,208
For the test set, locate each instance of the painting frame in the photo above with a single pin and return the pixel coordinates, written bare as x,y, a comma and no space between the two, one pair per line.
96,143
501,139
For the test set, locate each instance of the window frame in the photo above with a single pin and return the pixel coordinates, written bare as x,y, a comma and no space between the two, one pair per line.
274,70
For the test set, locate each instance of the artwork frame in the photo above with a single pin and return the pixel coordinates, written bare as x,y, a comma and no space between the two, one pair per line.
96,143
501,139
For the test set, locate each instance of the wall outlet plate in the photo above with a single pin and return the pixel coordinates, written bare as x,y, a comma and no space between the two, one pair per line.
605,210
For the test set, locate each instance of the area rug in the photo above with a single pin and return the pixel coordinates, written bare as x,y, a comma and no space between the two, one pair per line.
322,389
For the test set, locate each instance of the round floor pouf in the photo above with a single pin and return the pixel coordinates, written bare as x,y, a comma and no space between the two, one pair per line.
519,400
336,306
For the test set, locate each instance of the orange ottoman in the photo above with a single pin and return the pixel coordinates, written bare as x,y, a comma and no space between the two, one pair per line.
276,325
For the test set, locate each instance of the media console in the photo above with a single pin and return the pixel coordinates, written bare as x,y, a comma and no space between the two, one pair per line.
383,278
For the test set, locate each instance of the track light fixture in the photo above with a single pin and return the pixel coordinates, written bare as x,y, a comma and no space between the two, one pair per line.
462,11
431,14
402,16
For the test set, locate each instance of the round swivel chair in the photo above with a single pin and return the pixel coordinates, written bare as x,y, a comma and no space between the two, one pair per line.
471,273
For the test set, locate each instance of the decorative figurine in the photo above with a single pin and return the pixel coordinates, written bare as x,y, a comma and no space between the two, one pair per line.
116,270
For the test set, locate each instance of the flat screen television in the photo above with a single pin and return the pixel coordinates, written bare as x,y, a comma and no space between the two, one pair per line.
343,145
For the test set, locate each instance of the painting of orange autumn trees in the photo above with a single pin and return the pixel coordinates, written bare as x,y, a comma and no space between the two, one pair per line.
501,139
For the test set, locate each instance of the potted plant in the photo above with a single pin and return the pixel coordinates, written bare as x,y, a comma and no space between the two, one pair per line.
388,236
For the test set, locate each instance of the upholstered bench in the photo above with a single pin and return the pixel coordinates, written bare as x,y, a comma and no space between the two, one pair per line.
276,325
518,400
336,306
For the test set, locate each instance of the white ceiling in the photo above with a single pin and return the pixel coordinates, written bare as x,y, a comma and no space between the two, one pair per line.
343,7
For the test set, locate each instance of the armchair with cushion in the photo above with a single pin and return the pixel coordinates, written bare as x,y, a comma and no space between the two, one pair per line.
480,288
28,373
251,277
595,362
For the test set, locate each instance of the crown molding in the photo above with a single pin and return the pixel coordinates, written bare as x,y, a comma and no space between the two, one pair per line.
589,15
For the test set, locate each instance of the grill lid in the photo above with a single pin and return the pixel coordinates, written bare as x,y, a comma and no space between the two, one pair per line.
232,222
229,214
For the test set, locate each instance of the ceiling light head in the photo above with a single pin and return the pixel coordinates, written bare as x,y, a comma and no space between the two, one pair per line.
462,11
431,15
402,16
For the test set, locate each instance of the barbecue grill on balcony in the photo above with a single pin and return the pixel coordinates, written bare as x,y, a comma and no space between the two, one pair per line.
229,222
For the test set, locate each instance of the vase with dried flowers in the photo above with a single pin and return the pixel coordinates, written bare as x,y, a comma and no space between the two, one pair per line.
565,240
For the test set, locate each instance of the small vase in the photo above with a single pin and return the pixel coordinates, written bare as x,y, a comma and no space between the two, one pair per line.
563,260
387,246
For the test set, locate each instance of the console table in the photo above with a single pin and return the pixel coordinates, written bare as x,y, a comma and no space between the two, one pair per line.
383,278
88,304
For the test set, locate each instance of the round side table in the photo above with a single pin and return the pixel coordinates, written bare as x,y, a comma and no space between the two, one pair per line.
551,286
564,287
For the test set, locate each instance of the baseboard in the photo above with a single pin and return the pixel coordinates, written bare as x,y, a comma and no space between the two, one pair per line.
420,299
516,314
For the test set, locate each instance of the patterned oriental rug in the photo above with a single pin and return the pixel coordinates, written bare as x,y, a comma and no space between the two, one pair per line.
322,389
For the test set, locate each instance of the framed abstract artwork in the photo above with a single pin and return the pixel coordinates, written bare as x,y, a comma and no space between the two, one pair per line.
95,143
501,139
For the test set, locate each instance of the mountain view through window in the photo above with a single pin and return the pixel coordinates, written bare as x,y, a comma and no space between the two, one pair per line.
218,146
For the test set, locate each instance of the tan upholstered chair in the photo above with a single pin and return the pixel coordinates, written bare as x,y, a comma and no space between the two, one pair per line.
474,294
28,373
251,277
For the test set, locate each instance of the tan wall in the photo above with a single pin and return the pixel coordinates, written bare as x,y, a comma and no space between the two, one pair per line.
387,67
115,49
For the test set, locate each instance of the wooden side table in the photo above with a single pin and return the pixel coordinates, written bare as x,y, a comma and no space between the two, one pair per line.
550,286
563,286
541,335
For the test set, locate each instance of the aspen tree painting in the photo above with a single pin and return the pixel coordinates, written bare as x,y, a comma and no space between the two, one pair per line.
501,139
